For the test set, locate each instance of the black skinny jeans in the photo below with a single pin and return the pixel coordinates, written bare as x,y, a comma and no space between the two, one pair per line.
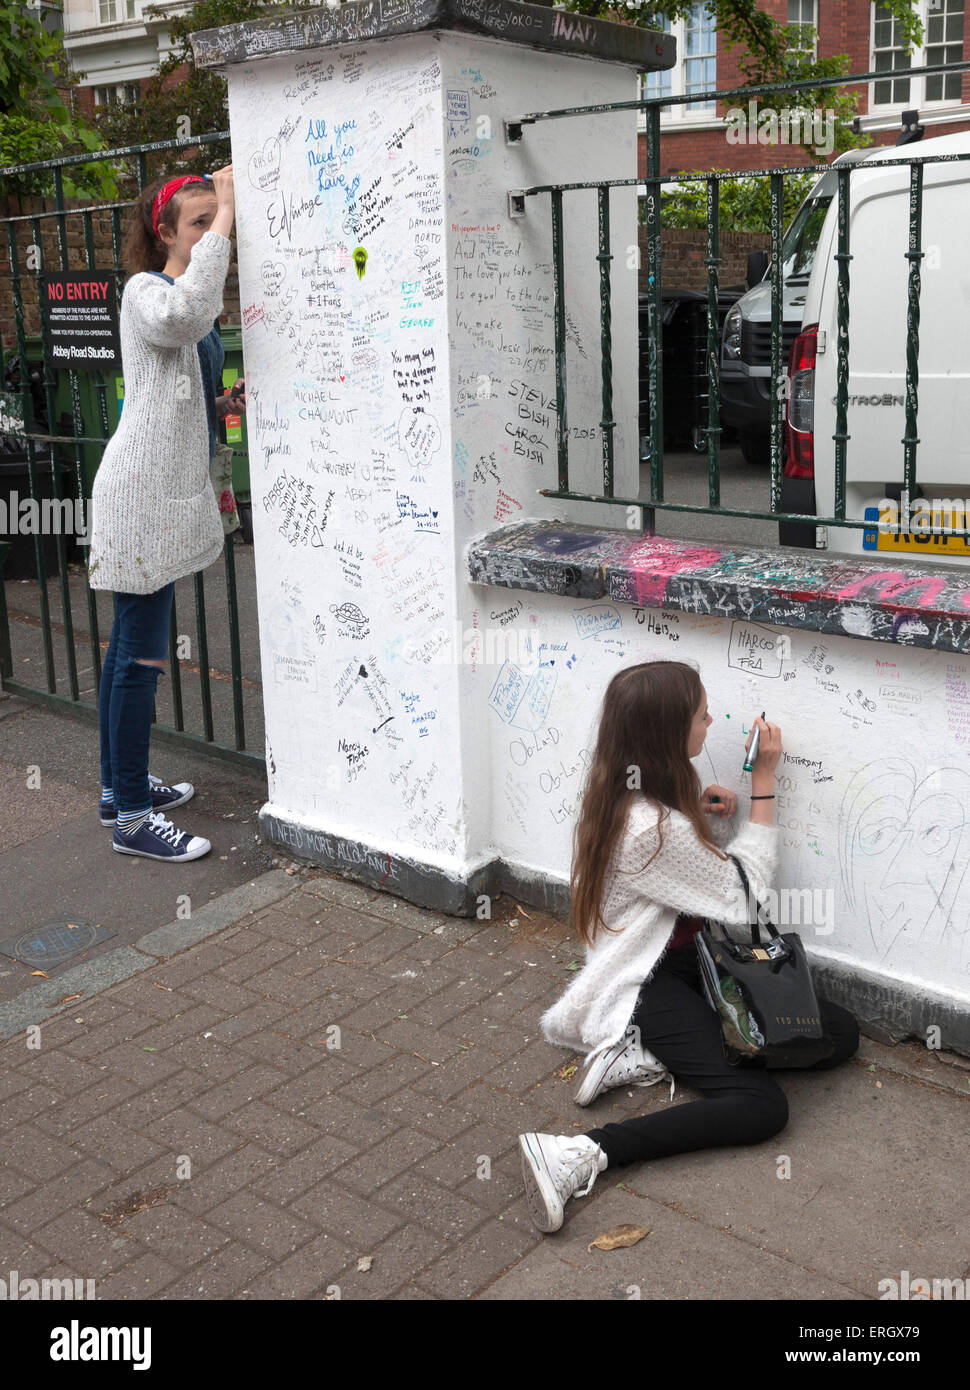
743,1103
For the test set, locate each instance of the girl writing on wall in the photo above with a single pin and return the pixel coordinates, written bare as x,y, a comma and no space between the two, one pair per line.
646,869
155,517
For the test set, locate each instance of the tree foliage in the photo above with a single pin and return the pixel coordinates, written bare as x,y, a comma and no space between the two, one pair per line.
175,104
769,52
35,122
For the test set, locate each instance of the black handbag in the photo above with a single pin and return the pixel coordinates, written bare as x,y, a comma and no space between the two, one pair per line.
762,992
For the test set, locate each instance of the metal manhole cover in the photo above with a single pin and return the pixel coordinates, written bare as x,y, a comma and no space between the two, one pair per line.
54,942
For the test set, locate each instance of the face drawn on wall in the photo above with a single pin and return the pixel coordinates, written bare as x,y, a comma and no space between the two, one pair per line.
904,848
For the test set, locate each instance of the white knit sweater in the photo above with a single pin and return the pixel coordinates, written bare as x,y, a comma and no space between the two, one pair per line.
154,515
644,903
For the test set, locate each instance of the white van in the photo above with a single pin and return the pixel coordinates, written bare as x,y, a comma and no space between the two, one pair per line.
877,334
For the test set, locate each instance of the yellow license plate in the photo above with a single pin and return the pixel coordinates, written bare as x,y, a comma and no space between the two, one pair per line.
914,543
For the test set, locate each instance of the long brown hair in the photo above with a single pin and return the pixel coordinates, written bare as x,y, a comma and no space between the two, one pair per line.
142,249
644,729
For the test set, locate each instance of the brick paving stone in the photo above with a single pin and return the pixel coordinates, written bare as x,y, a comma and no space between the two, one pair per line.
275,1131
441,1121
147,1277
222,994
153,1102
294,1056
394,1262
314,1266
13,1186
141,996
222,1275
355,981
502,1039
184,1134
398,1071
255,1081
251,1021
359,1049
377,949
458,1161
161,1035
432,1205
359,925
502,1193
36,1153
264,1226
289,987
358,1126
407,1034
133,1063
477,1262
495,938
385,1160
303,1092
412,1293
427,949
108,1141
458,930
285,926
58,1071
243,965
25,1254
174,1234
447,1003
288,1180
211,1183
308,1022
11,1082
522,1072
190,965
358,1223
209,1058
56,1195
33,1104
499,1110
90,1041
87,1245
457,1073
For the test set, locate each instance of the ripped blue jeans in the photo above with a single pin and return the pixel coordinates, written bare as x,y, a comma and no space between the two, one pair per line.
126,695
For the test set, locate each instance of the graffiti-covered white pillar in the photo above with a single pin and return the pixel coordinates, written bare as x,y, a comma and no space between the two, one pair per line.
399,349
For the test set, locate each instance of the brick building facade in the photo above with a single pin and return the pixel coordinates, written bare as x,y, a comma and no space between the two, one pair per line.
697,140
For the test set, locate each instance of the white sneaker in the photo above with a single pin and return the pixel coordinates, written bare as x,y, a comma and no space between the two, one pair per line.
624,1063
553,1166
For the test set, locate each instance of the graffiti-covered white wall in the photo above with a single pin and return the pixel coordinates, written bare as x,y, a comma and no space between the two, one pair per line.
399,349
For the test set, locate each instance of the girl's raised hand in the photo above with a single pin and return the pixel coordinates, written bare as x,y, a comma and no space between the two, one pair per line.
718,801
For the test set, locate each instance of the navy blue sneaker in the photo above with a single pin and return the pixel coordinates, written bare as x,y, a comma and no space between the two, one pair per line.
159,839
163,798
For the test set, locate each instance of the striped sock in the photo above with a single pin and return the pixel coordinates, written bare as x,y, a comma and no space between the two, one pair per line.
128,822
107,794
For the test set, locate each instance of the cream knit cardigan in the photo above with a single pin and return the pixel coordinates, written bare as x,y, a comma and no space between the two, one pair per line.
686,876
154,515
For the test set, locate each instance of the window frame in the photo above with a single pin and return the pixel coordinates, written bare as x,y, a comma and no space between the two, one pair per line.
916,100
681,113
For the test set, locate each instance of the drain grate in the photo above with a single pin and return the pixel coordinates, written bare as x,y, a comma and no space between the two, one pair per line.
54,942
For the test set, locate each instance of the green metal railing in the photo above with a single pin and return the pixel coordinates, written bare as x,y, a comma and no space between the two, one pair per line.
651,107
74,444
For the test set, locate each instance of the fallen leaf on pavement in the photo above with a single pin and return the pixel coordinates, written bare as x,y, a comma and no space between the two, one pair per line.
364,1263
69,998
41,972
167,988
617,1237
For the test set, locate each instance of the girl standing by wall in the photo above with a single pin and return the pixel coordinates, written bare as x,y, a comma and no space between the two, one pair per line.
646,870
155,517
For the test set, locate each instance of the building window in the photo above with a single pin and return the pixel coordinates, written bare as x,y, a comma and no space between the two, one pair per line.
696,68
115,11
124,93
943,43
804,14
700,55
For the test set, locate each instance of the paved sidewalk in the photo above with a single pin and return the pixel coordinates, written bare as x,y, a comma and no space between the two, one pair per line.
185,1131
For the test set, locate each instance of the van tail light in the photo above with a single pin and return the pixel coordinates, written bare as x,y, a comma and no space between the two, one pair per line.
800,406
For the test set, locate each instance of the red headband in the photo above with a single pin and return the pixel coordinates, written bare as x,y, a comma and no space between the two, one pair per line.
163,195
